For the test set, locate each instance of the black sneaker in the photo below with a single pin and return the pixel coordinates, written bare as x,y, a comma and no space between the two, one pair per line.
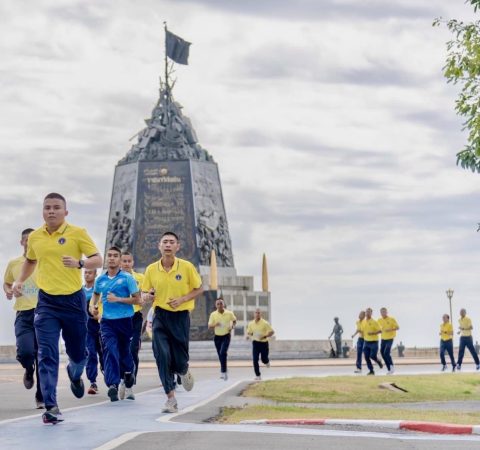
113,393
444,368
28,378
77,386
380,364
52,416
129,378
371,372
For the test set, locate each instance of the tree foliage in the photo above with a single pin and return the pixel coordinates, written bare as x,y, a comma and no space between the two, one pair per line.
462,67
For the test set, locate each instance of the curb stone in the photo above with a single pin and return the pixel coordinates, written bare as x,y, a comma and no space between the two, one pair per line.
426,427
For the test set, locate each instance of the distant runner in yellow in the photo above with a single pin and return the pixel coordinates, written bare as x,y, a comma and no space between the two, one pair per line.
466,340
259,330
389,328
222,321
446,342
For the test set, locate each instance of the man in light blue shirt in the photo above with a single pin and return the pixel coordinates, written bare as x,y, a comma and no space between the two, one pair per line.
119,292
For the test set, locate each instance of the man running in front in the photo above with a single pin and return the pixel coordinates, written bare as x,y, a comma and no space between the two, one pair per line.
172,284
389,328
56,249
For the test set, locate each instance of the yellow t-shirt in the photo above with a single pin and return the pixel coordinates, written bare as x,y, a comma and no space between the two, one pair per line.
181,280
48,249
465,323
446,331
360,324
370,326
139,279
387,324
225,320
30,290
259,329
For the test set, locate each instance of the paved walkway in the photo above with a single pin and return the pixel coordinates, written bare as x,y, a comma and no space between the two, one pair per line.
95,424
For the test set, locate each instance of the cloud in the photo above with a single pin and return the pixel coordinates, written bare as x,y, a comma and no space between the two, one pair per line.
308,10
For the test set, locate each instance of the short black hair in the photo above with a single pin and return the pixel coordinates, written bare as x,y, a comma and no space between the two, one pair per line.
127,253
56,195
27,231
115,249
169,233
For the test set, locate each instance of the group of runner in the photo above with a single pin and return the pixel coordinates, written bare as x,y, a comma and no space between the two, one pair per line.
369,331
101,321
50,300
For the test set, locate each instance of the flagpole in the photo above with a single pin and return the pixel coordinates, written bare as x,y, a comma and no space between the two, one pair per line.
166,60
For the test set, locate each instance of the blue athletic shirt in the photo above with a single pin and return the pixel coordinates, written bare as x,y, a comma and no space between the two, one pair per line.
88,294
121,285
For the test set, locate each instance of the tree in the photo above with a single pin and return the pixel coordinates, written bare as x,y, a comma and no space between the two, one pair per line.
462,67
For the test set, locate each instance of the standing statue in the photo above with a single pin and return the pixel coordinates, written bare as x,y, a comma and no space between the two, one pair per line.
337,333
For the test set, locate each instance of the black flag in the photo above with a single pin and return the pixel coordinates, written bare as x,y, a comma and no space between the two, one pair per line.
177,48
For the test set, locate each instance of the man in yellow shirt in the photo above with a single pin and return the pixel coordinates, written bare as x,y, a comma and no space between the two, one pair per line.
466,340
360,341
127,264
24,328
389,327
56,250
446,342
172,284
371,330
222,321
259,330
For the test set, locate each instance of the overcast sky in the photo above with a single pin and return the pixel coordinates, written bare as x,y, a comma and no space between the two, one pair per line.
332,125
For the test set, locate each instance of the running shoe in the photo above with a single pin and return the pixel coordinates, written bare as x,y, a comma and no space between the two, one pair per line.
77,386
28,378
113,393
187,380
171,406
52,416
93,389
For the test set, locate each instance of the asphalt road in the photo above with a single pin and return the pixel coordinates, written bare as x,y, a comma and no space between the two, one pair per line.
93,422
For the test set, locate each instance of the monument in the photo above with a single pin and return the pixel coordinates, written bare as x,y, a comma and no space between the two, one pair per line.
168,181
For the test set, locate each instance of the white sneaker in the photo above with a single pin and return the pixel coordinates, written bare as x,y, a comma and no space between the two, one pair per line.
171,406
187,380
121,390
357,371
129,395
267,365
391,371
224,376
259,378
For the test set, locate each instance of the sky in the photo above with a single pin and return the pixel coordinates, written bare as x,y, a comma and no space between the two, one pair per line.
332,125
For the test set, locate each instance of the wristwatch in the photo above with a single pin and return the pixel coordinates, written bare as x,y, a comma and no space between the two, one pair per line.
81,263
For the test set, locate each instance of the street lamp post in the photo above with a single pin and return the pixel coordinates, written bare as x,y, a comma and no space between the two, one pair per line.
449,293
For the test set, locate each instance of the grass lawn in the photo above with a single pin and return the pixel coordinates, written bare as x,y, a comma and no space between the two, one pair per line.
364,389
235,415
